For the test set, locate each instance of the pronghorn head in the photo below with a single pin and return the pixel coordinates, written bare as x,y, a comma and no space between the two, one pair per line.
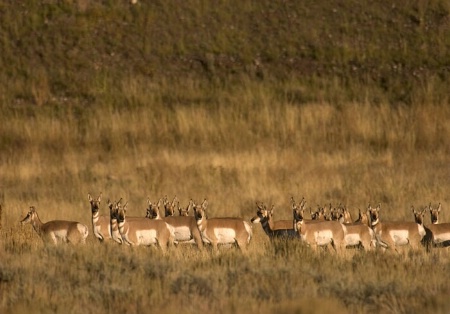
336,213
434,213
30,215
363,218
374,214
200,210
121,211
95,204
418,215
317,215
185,212
169,208
299,211
114,208
262,214
153,210
346,215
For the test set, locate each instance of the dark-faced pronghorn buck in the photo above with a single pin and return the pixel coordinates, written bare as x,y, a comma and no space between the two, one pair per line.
57,231
391,235
144,231
184,227
274,229
100,223
222,230
437,234
317,233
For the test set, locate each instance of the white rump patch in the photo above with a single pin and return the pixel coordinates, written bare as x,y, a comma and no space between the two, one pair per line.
323,237
225,235
400,237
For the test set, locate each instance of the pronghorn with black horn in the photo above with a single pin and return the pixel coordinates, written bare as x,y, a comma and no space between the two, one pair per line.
318,233
390,235
144,231
222,230
274,229
101,226
57,231
437,234
184,227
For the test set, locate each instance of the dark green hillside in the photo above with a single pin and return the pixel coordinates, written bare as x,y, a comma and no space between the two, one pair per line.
85,51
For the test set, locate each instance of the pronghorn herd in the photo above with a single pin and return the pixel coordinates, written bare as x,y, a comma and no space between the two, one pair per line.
327,227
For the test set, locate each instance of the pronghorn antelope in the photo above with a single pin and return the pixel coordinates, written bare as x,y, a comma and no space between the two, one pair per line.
169,208
143,231
347,217
359,233
114,224
184,227
318,233
319,214
222,230
274,229
57,231
434,212
363,218
437,234
100,224
390,235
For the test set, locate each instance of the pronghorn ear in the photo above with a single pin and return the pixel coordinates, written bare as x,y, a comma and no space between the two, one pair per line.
379,207
89,197
125,206
412,209
99,197
204,204
439,207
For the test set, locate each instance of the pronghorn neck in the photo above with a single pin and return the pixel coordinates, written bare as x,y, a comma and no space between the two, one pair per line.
298,225
375,222
267,224
202,223
36,223
95,217
123,227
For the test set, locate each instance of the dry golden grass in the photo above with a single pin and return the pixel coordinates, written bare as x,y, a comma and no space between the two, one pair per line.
234,154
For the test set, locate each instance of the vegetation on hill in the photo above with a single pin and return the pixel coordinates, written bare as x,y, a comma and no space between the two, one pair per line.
88,51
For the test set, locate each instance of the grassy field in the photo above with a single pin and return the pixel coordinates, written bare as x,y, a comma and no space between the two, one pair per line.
236,102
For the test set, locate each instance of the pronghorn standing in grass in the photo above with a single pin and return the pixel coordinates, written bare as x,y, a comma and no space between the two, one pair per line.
184,227
57,231
437,234
101,226
391,235
143,231
222,230
318,233
274,229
